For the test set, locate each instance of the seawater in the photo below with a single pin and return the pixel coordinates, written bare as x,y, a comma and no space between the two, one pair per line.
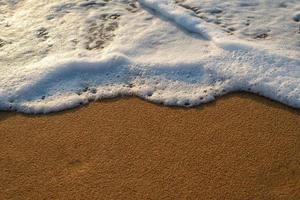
59,54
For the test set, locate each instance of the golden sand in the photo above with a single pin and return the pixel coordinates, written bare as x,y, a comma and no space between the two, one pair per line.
238,147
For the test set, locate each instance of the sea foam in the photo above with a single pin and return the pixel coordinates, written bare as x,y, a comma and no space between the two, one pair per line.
62,54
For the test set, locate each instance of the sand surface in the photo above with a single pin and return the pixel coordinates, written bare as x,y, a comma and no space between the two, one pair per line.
239,147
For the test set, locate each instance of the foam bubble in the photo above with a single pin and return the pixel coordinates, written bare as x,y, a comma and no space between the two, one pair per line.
64,54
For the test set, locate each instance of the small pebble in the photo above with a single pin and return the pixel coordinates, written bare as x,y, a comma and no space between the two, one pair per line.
296,17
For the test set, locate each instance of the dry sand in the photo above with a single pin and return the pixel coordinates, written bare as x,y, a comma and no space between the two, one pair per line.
239,147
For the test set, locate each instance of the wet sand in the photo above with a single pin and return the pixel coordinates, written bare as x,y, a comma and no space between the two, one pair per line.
238,147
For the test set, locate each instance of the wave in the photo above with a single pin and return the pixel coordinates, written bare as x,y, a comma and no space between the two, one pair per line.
159,50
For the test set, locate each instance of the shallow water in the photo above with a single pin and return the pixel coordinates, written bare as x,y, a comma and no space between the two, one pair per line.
61,54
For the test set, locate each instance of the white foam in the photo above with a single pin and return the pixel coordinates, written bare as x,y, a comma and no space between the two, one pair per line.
60,55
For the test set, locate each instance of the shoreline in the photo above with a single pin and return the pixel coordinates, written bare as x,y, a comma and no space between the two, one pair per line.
240,146
241,94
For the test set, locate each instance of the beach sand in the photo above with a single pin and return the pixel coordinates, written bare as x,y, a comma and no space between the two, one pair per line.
239,147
